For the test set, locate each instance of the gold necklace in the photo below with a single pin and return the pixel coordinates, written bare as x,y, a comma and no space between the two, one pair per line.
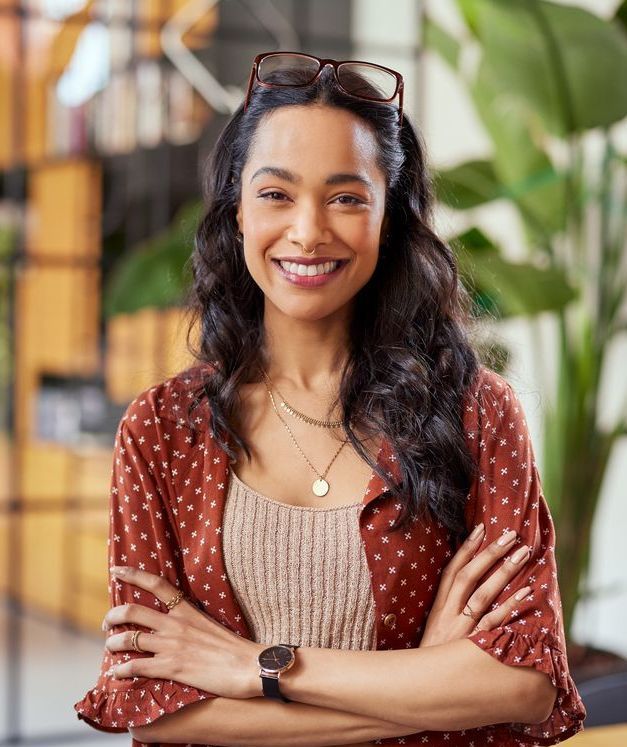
320,486
301,416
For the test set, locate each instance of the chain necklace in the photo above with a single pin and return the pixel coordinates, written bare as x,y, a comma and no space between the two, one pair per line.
320,486
301,416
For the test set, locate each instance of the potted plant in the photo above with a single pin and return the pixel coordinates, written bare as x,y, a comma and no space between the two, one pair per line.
549,84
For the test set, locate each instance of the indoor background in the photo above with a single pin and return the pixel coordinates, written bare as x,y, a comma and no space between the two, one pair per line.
108,110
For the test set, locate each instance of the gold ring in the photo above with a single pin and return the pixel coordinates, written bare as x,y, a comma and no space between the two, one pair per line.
469,614
175,600
134,638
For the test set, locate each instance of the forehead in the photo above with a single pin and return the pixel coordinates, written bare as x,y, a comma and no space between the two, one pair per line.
313,141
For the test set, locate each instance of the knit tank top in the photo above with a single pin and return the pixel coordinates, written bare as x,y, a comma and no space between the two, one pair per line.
299,573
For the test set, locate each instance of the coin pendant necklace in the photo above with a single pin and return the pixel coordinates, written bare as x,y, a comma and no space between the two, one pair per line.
320,486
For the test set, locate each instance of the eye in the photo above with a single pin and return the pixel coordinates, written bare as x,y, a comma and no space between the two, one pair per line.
269,194
355,200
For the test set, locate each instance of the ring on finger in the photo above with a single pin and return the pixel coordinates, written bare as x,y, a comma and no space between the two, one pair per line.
134,643
175,600
470,613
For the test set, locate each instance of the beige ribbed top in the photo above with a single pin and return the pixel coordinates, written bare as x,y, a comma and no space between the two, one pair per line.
299,573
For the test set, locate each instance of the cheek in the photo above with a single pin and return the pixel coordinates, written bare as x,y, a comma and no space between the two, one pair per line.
362,239
262,220
265,227
260,266
363,243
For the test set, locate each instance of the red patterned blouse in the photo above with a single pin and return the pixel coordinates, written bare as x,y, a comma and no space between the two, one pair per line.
168,490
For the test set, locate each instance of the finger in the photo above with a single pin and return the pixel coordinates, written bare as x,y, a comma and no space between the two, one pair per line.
145,666
463,556
147,642
134,614
505,611
489,590
466,580
156,585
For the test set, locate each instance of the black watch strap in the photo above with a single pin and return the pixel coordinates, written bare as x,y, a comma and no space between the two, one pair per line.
271,689
270,685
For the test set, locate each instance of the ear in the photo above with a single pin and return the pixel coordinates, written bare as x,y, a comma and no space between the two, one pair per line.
238,217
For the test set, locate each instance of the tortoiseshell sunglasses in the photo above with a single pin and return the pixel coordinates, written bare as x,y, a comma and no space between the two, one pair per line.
364,80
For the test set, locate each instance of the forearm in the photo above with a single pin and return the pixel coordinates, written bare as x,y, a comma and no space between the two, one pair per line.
259,722
448,687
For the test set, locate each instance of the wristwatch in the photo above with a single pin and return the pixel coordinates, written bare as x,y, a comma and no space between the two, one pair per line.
273,661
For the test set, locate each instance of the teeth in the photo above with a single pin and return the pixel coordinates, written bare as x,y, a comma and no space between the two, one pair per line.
309,270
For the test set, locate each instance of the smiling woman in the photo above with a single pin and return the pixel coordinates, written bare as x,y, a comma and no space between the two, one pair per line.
337,216
334,591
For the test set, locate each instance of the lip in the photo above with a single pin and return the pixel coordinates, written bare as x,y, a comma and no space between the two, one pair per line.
310,260
306,281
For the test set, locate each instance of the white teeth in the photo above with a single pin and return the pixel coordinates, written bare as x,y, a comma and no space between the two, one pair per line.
309,270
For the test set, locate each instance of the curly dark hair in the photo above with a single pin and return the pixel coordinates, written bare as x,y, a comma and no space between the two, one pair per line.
410,360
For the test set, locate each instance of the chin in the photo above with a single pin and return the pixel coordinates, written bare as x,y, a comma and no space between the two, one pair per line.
309,312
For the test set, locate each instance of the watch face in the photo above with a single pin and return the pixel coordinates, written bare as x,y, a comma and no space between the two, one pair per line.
275,658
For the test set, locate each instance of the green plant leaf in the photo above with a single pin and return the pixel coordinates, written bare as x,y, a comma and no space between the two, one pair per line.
513,288
560,61
476,182
154,273
621,14
526,172
470,11
467,185
440,41
8,237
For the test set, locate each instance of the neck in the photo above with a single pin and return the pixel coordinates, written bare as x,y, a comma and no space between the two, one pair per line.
306,355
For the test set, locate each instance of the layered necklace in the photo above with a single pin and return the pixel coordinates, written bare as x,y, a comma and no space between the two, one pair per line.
320,486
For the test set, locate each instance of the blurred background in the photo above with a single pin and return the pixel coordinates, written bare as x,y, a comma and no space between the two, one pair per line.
108,110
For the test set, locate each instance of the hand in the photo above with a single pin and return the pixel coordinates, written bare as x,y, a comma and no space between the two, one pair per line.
457,592
185,644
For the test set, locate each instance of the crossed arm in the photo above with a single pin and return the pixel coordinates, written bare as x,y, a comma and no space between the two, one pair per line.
259,722
346,696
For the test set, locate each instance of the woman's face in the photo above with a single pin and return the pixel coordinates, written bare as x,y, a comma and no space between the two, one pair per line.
311,180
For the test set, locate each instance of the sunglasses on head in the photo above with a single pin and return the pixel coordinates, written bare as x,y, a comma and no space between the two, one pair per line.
364,80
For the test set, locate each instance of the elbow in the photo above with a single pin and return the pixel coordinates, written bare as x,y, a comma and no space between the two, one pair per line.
543,696
144,734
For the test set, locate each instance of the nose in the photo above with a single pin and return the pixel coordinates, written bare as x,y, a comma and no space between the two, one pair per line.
308,227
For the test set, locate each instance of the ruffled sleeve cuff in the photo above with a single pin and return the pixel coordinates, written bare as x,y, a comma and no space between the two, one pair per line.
543,652
117,710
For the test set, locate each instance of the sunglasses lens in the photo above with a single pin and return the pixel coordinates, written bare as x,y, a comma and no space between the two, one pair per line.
287,69
367,81
357,78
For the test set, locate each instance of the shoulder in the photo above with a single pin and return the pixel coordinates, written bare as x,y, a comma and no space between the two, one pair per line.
490,405
489,386
176,401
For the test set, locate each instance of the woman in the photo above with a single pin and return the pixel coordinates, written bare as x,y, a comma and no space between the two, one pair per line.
334,363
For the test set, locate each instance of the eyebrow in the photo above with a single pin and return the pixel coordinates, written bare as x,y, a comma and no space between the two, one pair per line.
289,176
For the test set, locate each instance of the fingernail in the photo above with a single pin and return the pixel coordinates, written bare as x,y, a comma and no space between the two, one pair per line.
104,625
506,538
477,531
521,553
522,593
